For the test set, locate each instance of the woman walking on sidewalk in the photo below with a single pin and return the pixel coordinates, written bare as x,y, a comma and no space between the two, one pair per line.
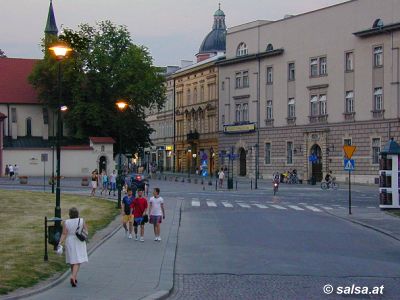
94,182
75,250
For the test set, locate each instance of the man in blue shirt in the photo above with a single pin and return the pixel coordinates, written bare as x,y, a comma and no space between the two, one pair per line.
126,213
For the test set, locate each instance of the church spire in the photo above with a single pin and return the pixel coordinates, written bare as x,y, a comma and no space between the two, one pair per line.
219,19
51,26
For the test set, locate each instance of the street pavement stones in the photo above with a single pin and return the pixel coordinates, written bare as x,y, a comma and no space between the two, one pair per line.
122,268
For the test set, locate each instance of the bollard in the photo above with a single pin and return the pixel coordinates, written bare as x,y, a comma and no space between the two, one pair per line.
216,184
46,257
251,184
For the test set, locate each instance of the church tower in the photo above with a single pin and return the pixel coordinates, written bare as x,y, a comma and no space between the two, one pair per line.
51,30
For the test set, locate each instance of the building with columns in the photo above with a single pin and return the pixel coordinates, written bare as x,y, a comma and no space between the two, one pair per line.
196,104
294,91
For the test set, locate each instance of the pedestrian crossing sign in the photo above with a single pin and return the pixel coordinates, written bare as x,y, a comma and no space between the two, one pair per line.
349,164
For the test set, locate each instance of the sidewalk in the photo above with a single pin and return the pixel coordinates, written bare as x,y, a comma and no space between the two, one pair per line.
378,220
121,268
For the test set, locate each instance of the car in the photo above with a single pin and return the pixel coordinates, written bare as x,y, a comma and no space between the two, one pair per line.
136,181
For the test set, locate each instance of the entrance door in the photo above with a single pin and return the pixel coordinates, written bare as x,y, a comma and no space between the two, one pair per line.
102,164
242,157
317,165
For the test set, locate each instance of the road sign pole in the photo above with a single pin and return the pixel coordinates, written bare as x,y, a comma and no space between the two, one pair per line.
44,176
349,192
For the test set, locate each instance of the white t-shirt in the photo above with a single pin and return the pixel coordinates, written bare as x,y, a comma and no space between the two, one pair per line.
11,168
221,175
113,178
156,206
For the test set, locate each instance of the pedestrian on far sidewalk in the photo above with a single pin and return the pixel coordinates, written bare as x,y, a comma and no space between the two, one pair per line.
221,176
157,213
126,213
94,182
113,183
7,172
139,206
16,171
104,183
11,172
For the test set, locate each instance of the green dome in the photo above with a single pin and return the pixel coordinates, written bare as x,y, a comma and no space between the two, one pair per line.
219,13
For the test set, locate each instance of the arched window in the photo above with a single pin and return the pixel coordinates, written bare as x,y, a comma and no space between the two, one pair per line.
377,23
28,127
242,49
270,47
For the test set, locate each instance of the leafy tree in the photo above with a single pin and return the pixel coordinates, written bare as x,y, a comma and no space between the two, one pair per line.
2,54
105,66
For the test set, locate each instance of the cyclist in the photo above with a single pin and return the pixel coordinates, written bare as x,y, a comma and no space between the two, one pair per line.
328,178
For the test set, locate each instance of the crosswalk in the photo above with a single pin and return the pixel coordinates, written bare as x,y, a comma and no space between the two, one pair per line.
317,208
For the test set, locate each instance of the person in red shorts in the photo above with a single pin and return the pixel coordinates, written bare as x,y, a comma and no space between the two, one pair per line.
139,207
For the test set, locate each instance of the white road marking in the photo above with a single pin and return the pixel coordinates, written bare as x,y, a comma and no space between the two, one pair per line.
260,205
313,208
211,204
278,206
226,204
295,207
195,203
326,207
243,205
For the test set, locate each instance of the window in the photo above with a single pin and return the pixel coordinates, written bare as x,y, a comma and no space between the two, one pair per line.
241,50
270,78
349,61
245,79
223,119
102,148
202,93
28,127
376,149
314,105
45,115
349,102
223,85
378,99
188,97
267,153
195,95
269,114
314,67
13,115
291,72
322,66
378,56
289,154
322,105
238,81
291,108
238,111
347,142
245,112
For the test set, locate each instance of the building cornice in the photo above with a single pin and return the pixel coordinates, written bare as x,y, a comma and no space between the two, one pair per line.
378,30
250,57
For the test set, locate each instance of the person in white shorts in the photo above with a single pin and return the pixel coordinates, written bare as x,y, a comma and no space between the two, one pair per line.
157,213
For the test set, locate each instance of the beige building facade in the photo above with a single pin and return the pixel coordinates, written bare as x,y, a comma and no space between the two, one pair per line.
292,92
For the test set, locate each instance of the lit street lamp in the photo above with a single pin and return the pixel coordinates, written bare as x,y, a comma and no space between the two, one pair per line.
189,159
121,105
60,51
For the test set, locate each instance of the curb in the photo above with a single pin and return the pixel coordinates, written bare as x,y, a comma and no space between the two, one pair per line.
64,275
166,280
366,226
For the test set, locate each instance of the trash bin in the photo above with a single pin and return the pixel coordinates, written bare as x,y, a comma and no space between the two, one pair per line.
54,234
230,183
313,180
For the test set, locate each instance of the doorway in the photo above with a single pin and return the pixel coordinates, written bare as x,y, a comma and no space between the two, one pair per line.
102,164
316,165
242,159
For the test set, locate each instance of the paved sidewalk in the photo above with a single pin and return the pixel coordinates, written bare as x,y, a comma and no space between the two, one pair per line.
122,268
375,219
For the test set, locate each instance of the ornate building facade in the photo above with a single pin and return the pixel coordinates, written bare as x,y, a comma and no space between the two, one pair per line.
293,92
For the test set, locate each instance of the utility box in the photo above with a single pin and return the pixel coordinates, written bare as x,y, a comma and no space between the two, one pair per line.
389,169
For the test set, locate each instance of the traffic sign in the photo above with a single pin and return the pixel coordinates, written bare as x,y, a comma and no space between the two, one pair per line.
349,151
312,158
349,164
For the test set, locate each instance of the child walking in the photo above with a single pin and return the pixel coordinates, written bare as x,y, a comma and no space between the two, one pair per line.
157,213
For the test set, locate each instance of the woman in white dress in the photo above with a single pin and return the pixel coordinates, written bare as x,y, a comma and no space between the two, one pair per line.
75,250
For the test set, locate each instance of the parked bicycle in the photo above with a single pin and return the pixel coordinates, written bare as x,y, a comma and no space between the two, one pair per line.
332,184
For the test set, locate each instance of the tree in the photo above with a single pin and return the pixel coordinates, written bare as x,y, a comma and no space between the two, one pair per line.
105,66
2,54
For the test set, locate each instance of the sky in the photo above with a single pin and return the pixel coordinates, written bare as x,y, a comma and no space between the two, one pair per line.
172,30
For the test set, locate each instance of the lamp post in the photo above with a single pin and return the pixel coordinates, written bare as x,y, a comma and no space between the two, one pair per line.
60,51
194,155
121,105
189,160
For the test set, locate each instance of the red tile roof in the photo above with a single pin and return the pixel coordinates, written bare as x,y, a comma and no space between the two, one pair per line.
78,147
102,140
14,85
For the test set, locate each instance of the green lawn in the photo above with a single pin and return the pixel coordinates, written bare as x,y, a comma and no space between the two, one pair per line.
22,234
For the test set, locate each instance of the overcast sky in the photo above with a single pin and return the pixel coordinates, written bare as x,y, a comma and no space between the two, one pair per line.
171,29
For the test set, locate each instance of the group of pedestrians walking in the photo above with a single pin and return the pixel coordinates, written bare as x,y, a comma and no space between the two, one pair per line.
105,182
135,212
12,171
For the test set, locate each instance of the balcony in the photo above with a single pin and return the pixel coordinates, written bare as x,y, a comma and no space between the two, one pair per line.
192,136
318,119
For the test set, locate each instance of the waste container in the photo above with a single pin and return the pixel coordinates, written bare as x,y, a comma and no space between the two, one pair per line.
54,234
230,183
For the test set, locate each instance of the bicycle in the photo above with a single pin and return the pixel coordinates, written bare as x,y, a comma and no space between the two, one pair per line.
330,184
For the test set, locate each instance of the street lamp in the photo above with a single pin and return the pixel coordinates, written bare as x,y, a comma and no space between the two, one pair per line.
194,155
60,51
121,105
189,159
